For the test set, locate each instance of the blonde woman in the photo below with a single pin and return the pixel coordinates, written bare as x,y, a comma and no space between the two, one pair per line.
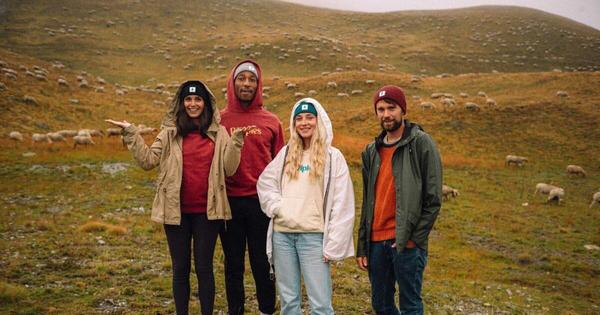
307,192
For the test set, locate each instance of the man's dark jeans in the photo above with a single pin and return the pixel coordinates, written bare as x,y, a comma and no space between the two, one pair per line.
386,268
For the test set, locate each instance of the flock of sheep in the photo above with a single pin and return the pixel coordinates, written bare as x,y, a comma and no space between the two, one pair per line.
555,193
447,101
80,137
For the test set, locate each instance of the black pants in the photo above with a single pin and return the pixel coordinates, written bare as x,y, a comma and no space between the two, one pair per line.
204,233
248,225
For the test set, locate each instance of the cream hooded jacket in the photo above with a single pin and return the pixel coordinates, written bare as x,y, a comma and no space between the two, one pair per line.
338,194
166,153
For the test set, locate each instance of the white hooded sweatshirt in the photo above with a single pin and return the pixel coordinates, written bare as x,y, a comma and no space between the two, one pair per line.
338,202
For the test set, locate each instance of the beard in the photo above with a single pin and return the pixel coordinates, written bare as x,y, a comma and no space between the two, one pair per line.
395,126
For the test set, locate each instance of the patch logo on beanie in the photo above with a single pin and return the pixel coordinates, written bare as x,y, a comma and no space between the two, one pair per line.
304,107
192,89
382,93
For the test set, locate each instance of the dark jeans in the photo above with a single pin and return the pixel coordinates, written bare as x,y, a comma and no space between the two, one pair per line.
204,233
248,225
386,268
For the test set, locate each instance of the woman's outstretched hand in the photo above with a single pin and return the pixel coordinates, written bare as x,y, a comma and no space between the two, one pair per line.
123,124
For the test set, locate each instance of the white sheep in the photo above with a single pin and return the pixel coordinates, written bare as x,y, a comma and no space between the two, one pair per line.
448,192
516,160
90,133
299,95
312,92
427,105
84,84
67,133
490,102
143,130
28,99
15,136
595,199
481,94
473,107
448,102
82,140
332,84
343,95
63,82
113,132
556,194
370,81
84,133
575,170
55,137
39,137
436,95
356,92
463,95
543,188
291,86
562,94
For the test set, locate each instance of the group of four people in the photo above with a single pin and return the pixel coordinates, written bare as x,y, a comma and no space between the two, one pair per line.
228,174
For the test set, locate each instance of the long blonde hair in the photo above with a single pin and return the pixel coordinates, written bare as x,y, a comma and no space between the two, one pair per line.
316,152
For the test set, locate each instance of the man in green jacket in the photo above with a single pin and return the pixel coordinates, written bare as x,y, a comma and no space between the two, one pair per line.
402,190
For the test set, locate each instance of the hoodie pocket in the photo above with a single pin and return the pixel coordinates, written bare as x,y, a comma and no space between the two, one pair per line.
299,214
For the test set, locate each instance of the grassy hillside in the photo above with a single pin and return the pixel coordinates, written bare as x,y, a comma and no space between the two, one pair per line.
132,41
76,236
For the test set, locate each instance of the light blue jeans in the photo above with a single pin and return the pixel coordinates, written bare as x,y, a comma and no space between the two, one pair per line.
295,253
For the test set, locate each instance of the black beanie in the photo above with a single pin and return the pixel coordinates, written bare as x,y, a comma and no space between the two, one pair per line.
193,88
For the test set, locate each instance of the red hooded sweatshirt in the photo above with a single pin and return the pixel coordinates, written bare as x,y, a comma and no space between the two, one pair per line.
262,141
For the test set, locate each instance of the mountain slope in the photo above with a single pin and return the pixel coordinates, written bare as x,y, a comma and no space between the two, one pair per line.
131,41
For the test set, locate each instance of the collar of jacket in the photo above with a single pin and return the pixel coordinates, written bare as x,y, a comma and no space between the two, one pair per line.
410,132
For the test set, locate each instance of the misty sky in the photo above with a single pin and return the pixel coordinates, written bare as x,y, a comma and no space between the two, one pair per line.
583,11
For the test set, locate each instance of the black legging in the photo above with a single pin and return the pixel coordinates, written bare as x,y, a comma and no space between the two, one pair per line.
204,233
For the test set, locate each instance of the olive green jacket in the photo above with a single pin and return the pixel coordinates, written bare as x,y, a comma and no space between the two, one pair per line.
166,153
417,171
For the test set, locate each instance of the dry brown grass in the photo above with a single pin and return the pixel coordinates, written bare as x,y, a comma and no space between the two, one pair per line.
11,292
98,226
351,146
456,160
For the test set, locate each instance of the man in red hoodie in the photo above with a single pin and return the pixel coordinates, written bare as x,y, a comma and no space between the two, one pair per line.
263,139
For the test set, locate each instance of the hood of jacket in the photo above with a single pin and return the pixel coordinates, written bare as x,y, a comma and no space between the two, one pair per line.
233,103
321,115
169,119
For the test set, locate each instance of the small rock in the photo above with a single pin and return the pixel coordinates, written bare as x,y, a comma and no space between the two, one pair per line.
591,247
114,168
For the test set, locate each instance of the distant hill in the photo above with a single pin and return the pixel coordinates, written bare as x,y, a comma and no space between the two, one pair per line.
130,41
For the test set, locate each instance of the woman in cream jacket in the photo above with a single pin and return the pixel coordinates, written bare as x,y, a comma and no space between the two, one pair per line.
307,192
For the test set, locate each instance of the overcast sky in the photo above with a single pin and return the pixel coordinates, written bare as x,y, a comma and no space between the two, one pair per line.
583,11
